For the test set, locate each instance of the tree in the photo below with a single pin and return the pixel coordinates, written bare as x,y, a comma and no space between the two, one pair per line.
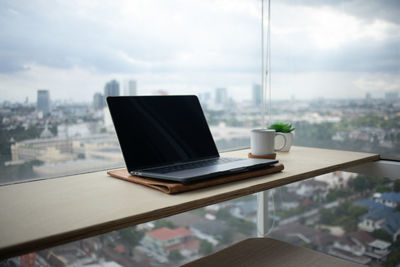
393,259
396,186
131,235
18,171
356,211
326,217
206,247
383,235
383,188
359,184
349,223
345,215
226,237
175,255
164,223
335,194
342,209
223,214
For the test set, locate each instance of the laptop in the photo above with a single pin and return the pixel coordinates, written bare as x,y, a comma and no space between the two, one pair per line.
168,138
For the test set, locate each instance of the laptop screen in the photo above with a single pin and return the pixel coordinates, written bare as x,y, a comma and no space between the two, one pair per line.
158,130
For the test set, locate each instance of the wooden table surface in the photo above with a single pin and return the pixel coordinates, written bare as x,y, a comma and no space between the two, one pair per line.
41,214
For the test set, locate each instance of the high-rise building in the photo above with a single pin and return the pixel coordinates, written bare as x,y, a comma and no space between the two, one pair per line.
111,89
391,96
131,88
98,101
43,101
221,96
257,95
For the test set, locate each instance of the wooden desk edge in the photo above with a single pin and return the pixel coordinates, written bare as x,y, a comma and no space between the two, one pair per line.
66,237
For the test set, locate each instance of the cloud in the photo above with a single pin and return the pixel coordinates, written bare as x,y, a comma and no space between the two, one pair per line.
124,37
197,45
214,36
367,10
354,57
378,83
319,38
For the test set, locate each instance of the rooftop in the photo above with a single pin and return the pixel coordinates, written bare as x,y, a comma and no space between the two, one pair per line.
380,244
362,236
316,237
165,233
369,203
391,196
378,211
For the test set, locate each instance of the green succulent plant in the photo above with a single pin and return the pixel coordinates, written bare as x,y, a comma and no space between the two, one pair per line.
282,127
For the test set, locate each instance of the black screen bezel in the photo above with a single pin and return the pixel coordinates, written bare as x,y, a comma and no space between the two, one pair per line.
124,123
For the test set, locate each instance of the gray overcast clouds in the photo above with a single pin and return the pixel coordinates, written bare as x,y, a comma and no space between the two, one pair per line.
74,47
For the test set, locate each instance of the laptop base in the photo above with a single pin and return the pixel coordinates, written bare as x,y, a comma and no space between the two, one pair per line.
170,187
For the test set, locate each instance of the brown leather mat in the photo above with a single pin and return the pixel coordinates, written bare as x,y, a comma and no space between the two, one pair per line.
174,187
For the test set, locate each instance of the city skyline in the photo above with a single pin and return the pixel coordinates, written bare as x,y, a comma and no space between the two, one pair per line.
78,140
230,94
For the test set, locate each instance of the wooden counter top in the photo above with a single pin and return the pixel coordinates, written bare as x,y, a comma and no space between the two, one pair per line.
41,214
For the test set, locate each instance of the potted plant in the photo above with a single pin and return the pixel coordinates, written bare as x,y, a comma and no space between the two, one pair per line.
287,130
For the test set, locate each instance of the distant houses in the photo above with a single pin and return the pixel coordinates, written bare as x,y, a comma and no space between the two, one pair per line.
302,235
336,180
312,189
382,214
210,230
164,240
360,247
246,210
389,199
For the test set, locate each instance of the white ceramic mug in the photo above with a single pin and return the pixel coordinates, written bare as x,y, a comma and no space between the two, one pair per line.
262,142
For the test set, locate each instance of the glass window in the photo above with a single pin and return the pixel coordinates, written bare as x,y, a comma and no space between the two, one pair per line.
335,77
335,74
60,61
171,241
347,215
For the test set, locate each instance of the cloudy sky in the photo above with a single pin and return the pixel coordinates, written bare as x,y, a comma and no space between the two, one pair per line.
340,49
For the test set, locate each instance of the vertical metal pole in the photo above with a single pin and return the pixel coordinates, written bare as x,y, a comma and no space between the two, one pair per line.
263,88
262,213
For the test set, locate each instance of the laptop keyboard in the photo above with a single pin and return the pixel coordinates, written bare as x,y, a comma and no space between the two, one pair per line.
193,165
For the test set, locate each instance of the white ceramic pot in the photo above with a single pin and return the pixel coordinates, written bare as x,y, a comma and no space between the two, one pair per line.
279,141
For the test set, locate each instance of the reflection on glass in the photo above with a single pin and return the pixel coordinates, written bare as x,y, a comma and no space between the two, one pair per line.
346,215
56,74
335,76
170,241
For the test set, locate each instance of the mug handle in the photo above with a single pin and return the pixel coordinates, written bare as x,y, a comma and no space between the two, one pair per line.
284,143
